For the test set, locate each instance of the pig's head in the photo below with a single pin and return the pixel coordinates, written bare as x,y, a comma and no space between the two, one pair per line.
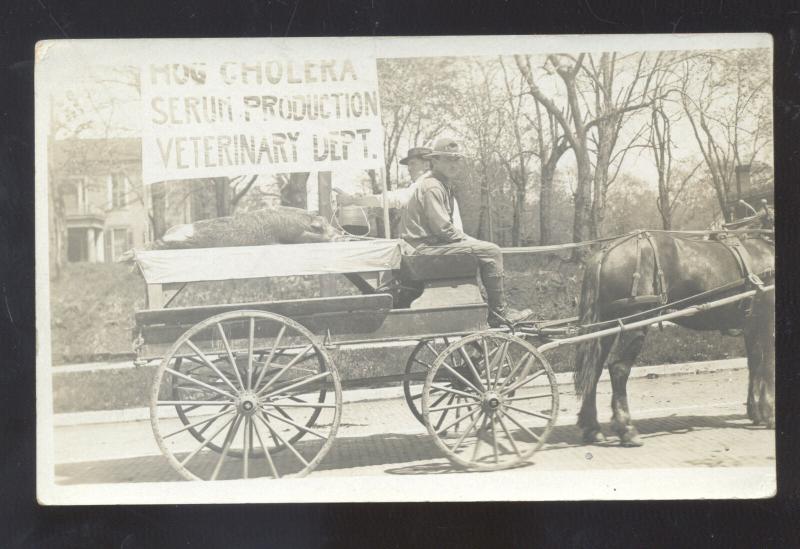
324,231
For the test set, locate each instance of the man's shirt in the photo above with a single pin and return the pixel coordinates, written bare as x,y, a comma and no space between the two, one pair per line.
429,215
398,199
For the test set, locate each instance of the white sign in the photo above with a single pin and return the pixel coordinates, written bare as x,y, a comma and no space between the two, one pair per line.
274,114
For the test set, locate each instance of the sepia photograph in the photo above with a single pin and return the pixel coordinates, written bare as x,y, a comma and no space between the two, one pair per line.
459,268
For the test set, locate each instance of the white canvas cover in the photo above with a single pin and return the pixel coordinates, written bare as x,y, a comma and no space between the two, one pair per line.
198,264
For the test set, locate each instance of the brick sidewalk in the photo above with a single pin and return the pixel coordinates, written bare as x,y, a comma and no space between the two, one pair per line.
685,421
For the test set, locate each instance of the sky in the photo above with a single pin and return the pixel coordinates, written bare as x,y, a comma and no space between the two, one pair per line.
116,109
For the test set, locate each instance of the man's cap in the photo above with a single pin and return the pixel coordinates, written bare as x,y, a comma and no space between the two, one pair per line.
445,146
415,152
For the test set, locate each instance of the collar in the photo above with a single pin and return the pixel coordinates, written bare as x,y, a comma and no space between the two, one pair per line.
441,177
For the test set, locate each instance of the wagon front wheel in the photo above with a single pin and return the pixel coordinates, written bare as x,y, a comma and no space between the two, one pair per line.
419,363
236,393
507,405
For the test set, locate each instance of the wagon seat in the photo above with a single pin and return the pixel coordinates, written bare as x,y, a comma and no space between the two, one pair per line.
437,281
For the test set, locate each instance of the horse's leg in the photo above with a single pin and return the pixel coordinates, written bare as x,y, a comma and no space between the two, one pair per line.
630,344
587,417
759,338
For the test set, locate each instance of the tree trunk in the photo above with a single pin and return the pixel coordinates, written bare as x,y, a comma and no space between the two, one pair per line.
599,190
158,196
583,196
222,196
519,204
546,205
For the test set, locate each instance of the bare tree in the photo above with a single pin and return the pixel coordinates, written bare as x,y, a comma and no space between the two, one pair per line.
551,146
415,95
615,99
726,98
517,163
661,145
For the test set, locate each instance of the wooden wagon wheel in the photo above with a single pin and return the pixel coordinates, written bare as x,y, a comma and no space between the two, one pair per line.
246,386
509,404
419,363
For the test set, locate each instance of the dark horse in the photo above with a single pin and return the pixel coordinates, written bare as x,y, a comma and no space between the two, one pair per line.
623,279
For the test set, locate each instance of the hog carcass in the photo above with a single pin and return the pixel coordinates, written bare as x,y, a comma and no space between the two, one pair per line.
280,225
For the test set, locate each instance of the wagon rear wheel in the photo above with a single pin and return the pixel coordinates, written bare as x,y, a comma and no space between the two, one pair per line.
235,394
508,405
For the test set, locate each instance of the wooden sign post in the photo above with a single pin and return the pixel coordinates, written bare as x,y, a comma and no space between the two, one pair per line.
327,283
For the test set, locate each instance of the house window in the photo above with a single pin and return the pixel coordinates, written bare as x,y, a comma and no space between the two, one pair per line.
119,191
73,194
120,242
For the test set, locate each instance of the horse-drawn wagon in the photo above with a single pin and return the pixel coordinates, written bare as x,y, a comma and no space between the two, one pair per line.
250,390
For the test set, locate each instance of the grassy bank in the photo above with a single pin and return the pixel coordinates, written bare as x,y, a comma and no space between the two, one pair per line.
92,307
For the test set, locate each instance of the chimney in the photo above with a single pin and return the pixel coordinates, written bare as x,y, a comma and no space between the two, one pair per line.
743,180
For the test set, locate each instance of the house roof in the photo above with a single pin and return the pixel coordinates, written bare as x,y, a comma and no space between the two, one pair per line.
94,156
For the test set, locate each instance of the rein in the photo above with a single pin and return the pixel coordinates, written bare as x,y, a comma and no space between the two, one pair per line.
742,282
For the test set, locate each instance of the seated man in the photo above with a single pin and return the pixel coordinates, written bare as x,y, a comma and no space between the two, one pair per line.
427,225
418,167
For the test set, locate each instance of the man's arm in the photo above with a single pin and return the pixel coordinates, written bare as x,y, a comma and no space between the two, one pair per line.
438,220
396,199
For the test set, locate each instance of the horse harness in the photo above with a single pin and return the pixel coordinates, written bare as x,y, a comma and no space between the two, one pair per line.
635,298
731,242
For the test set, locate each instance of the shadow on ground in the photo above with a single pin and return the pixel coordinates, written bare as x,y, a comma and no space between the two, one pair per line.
377,450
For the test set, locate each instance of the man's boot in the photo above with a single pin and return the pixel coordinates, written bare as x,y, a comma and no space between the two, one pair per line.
500,313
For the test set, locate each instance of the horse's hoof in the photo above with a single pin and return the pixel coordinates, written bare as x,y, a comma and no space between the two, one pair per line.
594,437
770,424
630,439
631,442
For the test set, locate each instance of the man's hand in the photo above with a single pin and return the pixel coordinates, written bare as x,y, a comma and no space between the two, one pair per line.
343,198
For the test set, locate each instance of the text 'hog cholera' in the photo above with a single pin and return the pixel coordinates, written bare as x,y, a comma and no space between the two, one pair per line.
281,225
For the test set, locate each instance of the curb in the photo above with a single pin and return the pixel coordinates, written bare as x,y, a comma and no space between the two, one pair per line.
387,393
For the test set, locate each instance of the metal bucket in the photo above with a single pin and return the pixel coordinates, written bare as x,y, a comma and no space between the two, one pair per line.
354,220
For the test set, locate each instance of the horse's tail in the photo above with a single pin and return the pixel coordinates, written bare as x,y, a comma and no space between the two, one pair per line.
587,355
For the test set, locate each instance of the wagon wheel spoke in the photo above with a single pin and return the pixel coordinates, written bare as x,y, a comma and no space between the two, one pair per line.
198,382
520,365
266,451
521,426
452,406
273,398
495,451
282,371
522,383
461,378
229,354
226,446
478,438
197,423
204,429
455,392
444,415
528,397
194,404
499,363
298,384
280,439
210,364
206,443
504,363
458,421
468,429
303,404
508,435
294,424
530,413
247,443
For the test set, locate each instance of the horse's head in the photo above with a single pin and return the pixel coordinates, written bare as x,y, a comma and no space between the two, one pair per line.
764,219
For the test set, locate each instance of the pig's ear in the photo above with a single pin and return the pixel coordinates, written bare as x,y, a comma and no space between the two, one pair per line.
318,224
